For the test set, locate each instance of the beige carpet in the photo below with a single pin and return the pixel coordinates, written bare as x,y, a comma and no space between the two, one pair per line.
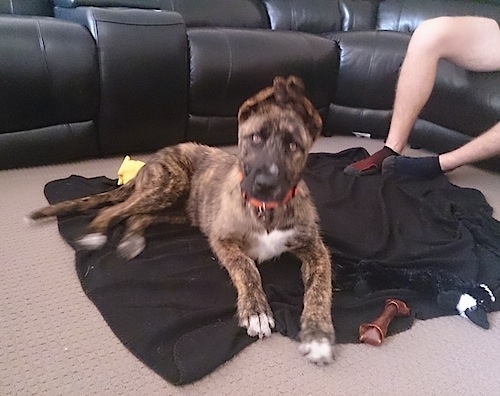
53,340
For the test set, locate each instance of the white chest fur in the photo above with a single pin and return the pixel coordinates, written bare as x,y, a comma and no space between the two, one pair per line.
268,245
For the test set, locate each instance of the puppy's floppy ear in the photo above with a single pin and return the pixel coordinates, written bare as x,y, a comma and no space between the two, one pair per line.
282,92
287,89
289,92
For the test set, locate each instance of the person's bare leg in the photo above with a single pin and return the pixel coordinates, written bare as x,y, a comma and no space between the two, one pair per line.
484,146
434,39
483,54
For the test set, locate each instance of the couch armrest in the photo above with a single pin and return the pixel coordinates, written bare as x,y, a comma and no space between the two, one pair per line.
143,74
49,91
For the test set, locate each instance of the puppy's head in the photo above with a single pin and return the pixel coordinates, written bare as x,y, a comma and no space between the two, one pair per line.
276,129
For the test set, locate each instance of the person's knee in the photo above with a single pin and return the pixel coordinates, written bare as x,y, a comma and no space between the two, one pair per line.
431,36
468,41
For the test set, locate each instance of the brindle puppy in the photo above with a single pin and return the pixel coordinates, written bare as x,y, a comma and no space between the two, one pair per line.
252,207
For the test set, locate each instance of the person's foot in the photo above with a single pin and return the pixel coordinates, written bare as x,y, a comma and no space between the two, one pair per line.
427,167
370,165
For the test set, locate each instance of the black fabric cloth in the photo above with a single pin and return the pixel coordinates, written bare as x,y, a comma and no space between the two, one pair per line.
174,306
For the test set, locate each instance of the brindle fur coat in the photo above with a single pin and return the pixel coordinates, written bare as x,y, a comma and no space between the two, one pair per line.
252,207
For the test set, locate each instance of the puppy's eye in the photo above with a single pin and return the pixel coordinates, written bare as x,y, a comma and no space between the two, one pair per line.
256,138
292,146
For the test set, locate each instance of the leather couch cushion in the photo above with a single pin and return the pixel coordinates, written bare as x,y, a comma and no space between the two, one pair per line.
359,14
223,13
304,15
369,68
230,65
464,101
23,7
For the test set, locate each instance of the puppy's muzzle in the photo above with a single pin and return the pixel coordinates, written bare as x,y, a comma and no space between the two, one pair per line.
263,183
265,190
266,182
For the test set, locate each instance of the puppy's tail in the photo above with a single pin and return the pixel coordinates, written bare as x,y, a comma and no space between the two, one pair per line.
84,204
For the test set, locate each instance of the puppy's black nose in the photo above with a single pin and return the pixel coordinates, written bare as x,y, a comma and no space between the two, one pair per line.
264,182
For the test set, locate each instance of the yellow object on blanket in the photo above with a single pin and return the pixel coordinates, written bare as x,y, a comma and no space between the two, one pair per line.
128,170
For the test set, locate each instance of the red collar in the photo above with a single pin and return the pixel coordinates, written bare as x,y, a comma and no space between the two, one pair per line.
262,206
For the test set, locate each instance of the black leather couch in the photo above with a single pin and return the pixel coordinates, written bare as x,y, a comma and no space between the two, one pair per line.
86,78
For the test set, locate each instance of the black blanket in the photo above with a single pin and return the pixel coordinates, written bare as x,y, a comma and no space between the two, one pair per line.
174,306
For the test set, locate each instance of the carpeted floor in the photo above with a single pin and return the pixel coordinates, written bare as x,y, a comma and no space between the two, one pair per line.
54,341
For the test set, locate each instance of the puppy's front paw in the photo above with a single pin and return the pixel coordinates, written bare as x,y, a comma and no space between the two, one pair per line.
319,351
258,325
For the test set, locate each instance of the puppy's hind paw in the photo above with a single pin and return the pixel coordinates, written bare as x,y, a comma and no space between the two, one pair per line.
92,241
319,351
131,246
259,325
